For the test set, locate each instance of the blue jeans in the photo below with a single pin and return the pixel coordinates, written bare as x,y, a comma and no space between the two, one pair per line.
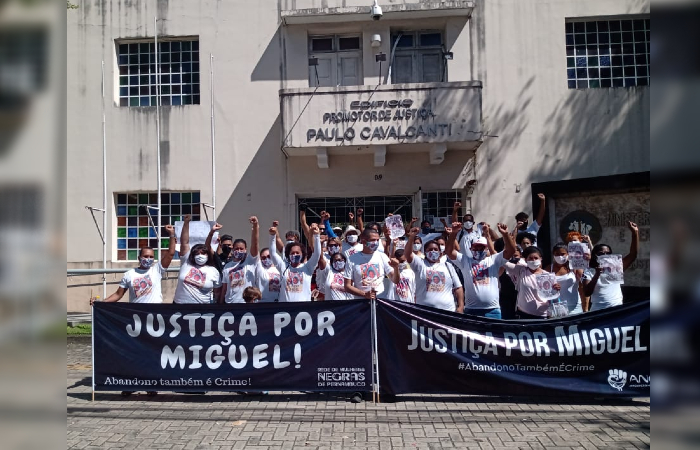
493,313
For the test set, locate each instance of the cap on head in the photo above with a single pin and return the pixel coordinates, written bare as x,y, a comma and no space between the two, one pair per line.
480,241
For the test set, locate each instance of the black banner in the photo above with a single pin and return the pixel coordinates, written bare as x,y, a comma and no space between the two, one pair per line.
424,350
308,346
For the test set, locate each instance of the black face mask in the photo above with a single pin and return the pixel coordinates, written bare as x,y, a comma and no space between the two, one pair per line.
524,227
225,250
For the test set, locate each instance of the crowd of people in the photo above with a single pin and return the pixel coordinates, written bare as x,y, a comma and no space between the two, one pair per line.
469,268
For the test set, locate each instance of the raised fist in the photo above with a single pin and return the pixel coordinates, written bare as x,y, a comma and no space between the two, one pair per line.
502,228
170,229
360,211
414,230
633,226
314,229
540,196
617,378
253,220
456,226
325,216
217,226
393,262
273,231
187,218
457,206
351,216
275,223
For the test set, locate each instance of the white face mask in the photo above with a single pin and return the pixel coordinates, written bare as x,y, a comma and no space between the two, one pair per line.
442,249
417,247
403,266
333,249
267,263
561,259
201,260
534,265
468,225
339,265
351,238
433,255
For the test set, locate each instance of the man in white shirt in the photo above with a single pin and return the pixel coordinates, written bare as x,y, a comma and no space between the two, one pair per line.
365,271
480,271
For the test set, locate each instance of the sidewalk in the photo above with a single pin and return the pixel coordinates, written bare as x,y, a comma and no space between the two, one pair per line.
292,420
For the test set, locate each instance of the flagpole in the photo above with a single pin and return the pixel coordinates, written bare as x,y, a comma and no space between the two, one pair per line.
213,135
104,187
159,224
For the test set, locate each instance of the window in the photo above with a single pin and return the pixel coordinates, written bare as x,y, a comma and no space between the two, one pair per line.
178,71
134,227
339,61
439,204
376,209
419,57
607,53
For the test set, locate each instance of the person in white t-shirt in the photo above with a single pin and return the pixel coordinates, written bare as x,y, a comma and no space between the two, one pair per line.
529,304
436,285
350,241
199,281
480,271
522,219
330,278
239,273
603,293
295,284
267,277
403,279
143,282
365,271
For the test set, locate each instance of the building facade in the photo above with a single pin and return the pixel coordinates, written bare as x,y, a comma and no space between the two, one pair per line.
318,104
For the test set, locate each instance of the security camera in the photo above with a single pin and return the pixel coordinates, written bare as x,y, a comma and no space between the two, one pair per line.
376,11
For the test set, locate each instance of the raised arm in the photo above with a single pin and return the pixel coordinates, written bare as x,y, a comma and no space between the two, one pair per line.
278,240
450,250
411,224
486,232
540,212
408,250
508,243
351,218
255,237
316,255
634,246
185,235
456,209
360,222
395,275
326,218
214,228
167,257
276,260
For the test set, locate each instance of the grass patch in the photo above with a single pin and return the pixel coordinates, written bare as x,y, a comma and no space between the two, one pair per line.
82,329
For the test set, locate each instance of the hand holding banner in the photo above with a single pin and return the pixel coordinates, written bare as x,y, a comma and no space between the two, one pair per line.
545,286
576,255
612,268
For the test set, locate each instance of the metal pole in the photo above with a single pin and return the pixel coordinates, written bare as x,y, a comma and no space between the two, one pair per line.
158,225
104,187
375,346
213,134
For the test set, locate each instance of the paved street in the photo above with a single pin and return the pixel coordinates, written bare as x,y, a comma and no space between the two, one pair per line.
316,421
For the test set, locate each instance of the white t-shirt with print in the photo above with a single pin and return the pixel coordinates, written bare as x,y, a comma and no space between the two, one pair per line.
144,285
238,275
295,282
367,271
480,280
349,250
332,284
605,294
405,291
196,284
434,284
268,281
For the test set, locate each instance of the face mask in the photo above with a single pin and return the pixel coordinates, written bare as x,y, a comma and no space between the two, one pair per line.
433,255
146,262
295,259
339,265
442,249
478,255
225,250
417,247
333,249
561,259
524,227
267,263
534,265
425,230
373,245
352,238
201,260
468,225
515,260
238,255
289,242
403,266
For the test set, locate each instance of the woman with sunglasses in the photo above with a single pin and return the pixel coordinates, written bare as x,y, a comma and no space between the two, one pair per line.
605,294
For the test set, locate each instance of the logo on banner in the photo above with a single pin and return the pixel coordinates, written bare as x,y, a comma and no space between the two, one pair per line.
617,379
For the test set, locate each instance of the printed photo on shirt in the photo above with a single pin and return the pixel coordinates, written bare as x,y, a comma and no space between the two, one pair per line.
274,282
403,289
196,278
435,280
371,275
142,286
338,283
480,274
295,282
236,277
